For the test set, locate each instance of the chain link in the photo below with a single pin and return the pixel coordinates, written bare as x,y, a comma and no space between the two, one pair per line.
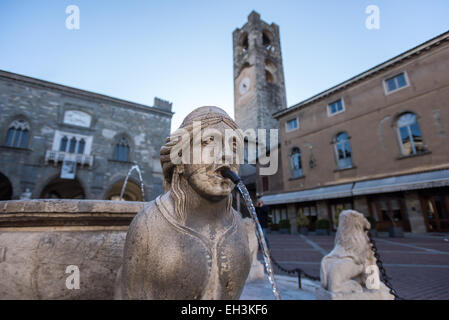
383,273
292,271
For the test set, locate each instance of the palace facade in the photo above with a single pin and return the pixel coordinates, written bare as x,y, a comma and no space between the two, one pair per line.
61,142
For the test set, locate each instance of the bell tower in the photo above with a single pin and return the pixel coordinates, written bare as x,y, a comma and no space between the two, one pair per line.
259,89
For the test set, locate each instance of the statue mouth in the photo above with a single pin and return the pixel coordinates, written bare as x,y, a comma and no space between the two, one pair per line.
220,169
227,173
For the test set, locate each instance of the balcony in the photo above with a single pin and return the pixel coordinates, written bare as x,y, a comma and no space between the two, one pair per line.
59,156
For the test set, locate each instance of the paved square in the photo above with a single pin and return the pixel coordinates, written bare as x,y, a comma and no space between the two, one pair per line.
417,264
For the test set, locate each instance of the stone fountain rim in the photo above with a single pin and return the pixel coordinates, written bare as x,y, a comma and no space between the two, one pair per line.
69,206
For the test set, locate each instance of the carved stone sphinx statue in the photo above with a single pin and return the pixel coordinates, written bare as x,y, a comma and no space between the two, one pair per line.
189,243
349,271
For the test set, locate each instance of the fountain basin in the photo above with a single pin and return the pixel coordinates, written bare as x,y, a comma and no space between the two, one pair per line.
39,239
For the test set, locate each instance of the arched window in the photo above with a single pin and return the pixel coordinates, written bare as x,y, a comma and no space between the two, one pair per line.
268,77
295,159
63,144
81,145
270,71
121,151
409,134
243,43
266,40
343,151
18,134
72,145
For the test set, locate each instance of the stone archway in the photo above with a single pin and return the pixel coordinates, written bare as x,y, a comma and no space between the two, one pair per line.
132,191
63,189
5,188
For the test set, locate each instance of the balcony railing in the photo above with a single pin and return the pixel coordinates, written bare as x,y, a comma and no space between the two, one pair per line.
59,156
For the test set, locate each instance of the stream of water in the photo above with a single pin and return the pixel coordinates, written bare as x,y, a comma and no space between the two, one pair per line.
260,237
134,167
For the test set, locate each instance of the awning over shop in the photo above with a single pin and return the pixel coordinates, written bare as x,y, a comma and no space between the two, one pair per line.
340,191
415,181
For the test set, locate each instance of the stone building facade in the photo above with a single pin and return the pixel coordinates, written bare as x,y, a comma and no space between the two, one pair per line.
61,142
377,143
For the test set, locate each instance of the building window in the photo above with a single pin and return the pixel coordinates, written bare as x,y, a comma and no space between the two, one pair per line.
72,143
291,125
121,151
409,134
81,146
278,214
335,207
395,83
310,212
296,166
335,107
72,146
18,134
343,151
389,211
63,144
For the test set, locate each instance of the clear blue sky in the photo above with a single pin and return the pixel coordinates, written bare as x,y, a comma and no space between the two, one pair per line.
181,51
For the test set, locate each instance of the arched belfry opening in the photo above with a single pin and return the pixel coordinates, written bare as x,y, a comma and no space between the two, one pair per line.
243,43
267,40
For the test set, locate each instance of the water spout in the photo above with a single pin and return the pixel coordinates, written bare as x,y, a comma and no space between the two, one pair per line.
259,233
134,167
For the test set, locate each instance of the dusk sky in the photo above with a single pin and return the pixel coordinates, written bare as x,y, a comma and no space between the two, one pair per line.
181,51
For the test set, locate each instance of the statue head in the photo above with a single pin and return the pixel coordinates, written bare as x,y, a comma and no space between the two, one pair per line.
352,235
207,141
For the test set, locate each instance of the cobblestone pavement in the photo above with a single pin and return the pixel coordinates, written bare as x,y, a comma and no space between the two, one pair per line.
417,264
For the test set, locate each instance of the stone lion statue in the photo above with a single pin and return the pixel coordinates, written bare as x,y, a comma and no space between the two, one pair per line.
189,243
349,271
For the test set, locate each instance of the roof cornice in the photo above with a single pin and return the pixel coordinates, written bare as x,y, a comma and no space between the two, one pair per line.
83,93
418,50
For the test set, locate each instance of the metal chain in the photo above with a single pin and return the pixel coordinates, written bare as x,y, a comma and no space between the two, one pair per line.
383,273
292,271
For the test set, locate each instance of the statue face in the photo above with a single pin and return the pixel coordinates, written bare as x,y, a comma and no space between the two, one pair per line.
205,177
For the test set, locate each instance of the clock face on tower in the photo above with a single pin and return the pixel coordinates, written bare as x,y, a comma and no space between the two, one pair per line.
244,85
